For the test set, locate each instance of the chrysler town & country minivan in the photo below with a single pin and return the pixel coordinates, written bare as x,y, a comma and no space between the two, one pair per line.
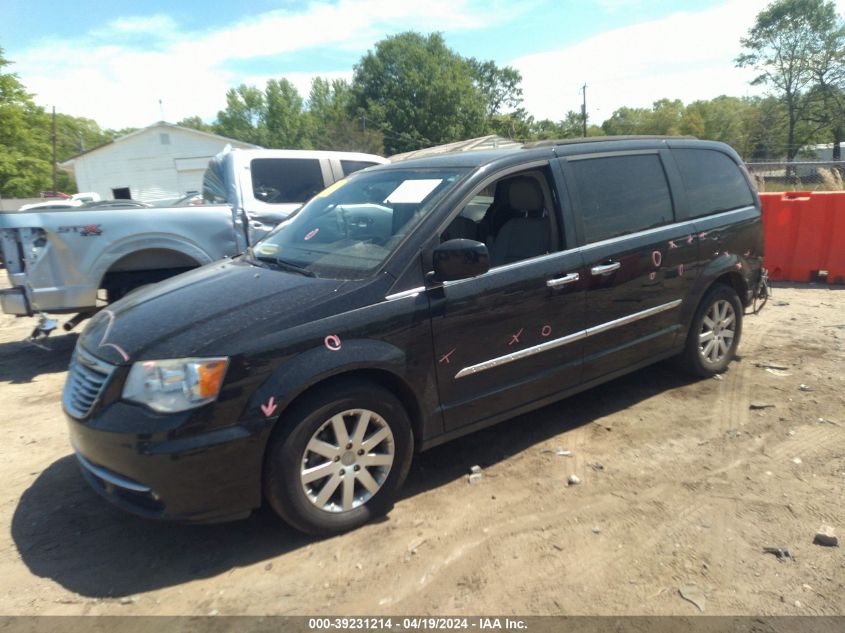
406,305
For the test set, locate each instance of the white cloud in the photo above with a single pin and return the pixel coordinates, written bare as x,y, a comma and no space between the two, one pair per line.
153,24
687,56
116,75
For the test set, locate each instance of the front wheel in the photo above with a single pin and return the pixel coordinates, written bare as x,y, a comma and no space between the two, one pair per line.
714,333
342,461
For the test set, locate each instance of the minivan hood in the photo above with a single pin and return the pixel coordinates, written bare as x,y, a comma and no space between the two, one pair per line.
211,311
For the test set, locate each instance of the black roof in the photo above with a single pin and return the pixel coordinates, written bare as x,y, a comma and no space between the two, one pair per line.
551,148
604,139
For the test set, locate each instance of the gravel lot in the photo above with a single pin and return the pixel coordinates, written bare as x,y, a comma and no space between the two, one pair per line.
682,486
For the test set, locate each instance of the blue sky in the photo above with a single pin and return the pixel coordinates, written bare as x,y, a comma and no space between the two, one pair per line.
113,60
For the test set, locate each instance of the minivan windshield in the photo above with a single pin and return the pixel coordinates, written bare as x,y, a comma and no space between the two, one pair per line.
349,229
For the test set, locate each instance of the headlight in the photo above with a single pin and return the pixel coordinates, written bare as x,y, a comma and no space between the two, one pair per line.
175,385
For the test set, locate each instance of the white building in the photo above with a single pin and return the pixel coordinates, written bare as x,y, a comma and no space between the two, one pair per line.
158,162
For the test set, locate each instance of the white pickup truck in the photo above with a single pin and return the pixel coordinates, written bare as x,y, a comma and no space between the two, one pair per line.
66,261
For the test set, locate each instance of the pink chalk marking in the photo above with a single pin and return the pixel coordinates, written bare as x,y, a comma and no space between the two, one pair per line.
727,254
701,236
652,276
680,270
747,253
546,331
672,244
445,357
690,239
118,348
269,407
739,265
332,341
656,258
103,343
515,337
311,234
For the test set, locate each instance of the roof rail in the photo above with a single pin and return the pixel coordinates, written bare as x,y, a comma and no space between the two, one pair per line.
599,139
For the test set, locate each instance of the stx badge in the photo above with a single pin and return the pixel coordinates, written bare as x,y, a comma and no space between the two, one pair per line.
85,230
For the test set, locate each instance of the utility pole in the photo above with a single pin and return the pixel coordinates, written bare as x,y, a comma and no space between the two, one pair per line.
54,150
584,109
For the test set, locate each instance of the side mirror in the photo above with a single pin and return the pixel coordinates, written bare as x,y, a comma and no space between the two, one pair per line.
459,259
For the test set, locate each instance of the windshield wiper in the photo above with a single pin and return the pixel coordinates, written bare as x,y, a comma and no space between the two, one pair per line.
285,265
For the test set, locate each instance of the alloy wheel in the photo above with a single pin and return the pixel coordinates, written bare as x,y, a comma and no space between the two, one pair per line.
718,330
347,460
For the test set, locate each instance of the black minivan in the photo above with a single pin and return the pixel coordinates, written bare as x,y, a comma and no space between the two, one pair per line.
402,307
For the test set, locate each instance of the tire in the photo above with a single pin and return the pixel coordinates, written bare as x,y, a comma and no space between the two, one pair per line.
114,294
319,447
714,333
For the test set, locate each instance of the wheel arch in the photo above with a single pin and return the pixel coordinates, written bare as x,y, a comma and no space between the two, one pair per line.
734,280
152,258
134,255
377,376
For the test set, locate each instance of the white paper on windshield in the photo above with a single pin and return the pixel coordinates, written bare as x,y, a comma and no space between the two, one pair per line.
413,191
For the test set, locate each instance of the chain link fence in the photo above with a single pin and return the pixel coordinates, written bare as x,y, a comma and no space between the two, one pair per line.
798,176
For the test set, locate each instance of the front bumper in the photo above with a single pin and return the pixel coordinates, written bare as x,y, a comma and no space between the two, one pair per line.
202,477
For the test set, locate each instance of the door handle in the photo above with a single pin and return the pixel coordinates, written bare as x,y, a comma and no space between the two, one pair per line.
571,278
605,268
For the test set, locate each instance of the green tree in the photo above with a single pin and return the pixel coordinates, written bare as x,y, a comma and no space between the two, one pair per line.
196,123
720,119
284,120
418,92
665,117
787,40
499,86
625,121
329,123
243,118
502,94
75,135
828,92
25,152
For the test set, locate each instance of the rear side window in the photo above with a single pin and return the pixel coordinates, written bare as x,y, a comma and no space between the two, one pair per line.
351,166
279,180
621,195
713,181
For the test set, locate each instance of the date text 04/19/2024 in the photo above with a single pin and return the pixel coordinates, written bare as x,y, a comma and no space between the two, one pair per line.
415,624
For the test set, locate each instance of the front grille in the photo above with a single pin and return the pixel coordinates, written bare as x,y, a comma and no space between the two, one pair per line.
86,379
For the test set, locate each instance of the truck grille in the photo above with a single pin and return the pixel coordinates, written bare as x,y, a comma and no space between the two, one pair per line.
87,377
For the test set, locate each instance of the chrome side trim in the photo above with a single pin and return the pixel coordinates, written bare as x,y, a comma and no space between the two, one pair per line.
523,353
413,292
604,327
565,340
108,476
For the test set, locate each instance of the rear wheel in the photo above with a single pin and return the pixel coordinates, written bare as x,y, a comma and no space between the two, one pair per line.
714,334
342,461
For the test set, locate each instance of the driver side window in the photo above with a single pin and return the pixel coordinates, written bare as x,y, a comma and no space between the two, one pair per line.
514,216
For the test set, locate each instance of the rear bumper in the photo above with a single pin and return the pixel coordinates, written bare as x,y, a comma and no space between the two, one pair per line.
14,301
22,300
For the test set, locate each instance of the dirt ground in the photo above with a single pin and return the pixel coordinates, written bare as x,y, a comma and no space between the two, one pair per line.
682,485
